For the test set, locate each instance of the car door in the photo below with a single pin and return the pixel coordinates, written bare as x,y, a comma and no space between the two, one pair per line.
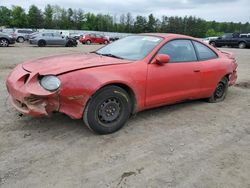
177,80
58,39
48,37
98,39
210,68
93,38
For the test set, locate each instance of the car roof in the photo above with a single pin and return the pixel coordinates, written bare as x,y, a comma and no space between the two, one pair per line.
168,35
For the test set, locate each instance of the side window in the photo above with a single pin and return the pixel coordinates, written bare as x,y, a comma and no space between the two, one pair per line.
179,51
48,34
204,53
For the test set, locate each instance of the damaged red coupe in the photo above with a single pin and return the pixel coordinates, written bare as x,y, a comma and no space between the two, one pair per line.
138,72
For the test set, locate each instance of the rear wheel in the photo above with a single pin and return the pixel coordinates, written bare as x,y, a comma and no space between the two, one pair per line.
4,43
242,45
108,110
220,91
20,39
41,43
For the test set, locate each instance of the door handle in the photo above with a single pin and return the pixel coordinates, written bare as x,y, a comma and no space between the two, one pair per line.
197,71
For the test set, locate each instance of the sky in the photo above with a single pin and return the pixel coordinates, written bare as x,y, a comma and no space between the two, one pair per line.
218,10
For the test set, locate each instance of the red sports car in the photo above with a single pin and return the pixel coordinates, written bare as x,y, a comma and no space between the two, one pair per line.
93,38
135,73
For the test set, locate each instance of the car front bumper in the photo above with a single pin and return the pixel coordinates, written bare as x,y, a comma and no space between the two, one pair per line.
12,40
27,96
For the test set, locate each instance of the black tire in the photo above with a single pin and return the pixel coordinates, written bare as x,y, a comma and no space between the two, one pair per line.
69,44
88,42
4,42
41,43
20,39
108,110
220,91
242,45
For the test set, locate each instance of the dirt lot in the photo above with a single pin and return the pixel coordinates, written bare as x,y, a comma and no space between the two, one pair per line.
193,144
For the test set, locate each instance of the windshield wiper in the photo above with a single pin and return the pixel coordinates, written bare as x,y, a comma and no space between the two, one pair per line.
111,55
108,55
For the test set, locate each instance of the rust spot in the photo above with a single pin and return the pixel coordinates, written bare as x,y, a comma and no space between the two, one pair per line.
78,97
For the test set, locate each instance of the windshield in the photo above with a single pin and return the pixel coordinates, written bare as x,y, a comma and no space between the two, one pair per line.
131,47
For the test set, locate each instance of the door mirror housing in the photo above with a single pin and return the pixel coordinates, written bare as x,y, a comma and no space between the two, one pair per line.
161,59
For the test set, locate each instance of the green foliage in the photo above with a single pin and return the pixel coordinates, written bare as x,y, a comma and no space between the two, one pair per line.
55,17
48,17
35,17
5,16
18,18
213,33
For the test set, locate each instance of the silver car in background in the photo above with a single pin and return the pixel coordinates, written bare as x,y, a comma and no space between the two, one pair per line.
52,38
6,39
22,35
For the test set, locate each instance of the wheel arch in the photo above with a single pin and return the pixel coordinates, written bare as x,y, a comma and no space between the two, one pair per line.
127,88
242,41
4,38
42,40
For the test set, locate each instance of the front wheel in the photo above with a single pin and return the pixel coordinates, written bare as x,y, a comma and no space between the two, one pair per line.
213,44
88,42
69,44
41,43
108,110
4,42
220,91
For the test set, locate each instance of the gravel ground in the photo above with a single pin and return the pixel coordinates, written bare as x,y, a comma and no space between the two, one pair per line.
192,144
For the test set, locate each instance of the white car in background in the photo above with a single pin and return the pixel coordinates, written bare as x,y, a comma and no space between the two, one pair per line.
206,40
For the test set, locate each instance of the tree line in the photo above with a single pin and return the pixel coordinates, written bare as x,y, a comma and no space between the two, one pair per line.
56,17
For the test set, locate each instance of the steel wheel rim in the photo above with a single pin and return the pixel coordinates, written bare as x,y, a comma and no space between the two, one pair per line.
220,90
109,110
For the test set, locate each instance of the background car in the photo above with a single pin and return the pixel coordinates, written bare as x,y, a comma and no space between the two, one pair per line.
231,40
76,36
52,38
6,39
138,72
22,34
94,38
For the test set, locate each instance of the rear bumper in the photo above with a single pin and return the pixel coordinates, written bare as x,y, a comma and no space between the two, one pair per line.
233,77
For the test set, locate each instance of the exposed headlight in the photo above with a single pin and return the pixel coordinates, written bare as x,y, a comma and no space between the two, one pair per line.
50,83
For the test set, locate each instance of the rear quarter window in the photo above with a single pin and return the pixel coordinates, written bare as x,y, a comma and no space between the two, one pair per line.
204,52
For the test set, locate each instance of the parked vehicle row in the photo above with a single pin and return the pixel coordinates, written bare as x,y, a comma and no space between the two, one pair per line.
45,38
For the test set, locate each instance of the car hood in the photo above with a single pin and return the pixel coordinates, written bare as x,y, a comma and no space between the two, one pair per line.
66,63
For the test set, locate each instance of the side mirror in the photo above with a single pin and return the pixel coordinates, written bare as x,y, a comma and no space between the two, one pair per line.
161,59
